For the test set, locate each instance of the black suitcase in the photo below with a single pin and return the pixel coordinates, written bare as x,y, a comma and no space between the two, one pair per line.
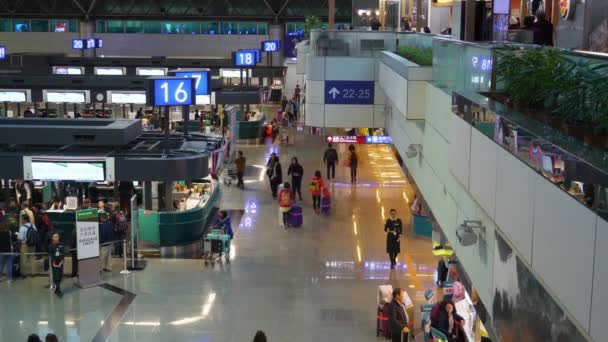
216,246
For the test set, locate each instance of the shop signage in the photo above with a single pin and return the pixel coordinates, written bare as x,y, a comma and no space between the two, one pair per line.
566,9
349,92
172,91
359,139
87,234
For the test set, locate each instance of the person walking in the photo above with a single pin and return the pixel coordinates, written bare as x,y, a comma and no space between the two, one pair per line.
543,30
296,171
28,239
289,110
353,163
316,184
106,235
6,247
397,318
330,158
296,92
277,177
394,229
284,103
240,163
57,254
286,199
296,109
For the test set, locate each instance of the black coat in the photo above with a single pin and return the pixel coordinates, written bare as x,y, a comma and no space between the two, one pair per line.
298,169
397,319
392,243
277,173
6,241
443,324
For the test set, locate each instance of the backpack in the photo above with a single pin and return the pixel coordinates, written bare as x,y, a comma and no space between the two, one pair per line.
314,186
120,226
31,237
285,200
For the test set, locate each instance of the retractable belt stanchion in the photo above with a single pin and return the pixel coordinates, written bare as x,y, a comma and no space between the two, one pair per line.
124,271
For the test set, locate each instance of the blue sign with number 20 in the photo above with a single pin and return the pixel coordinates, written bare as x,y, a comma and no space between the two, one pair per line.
173,92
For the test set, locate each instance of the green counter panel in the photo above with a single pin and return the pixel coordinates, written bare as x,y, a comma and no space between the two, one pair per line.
65,223
147,224
249,129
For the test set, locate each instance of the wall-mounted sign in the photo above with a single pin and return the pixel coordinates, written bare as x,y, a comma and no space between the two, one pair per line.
172,91
2,52
151,71
201,79
64,70
244,58
359,139
349,92
271,45
566,9
88,43
110,71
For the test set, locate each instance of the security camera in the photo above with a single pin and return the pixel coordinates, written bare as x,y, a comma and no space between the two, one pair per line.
412,150
466,232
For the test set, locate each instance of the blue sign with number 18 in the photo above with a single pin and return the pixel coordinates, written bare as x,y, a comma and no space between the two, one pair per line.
349,92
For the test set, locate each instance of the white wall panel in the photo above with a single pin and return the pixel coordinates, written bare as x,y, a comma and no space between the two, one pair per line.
600,283
40,42
350,69
315,92
315,115
416,100
315,68
348,115
379,97
562,249
482,182
439,107
394,87
378,120
515,202
460,149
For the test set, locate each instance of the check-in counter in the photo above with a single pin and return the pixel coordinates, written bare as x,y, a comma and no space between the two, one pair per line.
251,129
181,227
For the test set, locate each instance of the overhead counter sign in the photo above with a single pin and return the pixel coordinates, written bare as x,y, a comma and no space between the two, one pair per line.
349,92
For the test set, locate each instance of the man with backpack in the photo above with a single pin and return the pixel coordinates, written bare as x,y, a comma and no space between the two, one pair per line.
119,219
330,158
28,239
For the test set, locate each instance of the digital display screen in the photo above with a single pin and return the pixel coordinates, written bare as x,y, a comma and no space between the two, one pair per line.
110,71
69,97
201,79
271,45
67,70
128,98
172,91
12,96
2,52
151,72
68,170
245,58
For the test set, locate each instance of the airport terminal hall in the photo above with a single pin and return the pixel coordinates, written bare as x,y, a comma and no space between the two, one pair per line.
303,170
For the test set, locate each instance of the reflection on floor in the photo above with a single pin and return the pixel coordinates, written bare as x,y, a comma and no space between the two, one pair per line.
314,283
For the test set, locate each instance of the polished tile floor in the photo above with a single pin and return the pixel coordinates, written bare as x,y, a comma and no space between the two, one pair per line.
314,283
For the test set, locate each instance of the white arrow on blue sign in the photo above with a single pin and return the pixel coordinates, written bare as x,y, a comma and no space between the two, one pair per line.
349,92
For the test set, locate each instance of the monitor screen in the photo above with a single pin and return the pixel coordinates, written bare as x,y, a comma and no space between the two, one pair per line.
69,97
12,96
93,171
128,98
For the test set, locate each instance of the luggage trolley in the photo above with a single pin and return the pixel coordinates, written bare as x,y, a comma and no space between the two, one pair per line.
216,246
229,174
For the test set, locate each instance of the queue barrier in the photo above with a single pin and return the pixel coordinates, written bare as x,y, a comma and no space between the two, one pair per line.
124,271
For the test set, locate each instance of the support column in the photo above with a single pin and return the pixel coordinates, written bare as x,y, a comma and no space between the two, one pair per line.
276,32
469,21
148,195
169,196
332,14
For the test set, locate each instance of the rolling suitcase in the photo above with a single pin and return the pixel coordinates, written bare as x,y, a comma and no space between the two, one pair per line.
295,216
382,327
325,205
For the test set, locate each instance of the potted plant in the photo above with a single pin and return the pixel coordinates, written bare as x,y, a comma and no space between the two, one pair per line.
310,23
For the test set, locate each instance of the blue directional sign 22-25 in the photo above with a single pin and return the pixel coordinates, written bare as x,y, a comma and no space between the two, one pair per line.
349,92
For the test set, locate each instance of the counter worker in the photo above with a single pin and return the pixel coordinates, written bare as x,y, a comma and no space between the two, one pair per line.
398,318
28,239
57,205
57,254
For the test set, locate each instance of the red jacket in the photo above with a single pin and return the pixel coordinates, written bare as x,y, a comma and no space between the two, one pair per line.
320,181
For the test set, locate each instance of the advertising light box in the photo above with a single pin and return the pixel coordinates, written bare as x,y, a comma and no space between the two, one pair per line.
64,96
118,97
172,91
201,80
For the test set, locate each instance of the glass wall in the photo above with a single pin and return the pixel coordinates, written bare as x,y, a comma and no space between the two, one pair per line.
182,27
38,25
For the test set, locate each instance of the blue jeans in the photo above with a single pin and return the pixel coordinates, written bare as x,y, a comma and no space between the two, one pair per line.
8,261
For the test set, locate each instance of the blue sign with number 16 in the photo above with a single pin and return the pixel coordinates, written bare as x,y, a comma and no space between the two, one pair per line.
173,91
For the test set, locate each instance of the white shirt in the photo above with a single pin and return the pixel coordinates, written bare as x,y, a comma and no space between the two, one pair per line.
22,234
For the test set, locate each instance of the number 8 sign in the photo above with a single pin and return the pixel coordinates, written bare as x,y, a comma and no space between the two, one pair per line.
172,91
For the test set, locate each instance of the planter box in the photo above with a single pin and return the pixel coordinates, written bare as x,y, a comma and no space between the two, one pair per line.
404,84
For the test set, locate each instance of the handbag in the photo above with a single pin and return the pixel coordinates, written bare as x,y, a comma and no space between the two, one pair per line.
346,162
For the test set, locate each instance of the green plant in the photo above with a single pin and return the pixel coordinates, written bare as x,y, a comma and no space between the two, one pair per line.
420,56
310,23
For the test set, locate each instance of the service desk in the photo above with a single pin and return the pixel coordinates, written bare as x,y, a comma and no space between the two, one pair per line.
166,229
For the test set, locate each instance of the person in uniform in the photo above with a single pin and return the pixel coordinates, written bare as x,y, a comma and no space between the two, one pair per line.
394,229
57,254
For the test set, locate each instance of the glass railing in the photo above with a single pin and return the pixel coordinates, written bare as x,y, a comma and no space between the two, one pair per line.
577,169
418,40
352,43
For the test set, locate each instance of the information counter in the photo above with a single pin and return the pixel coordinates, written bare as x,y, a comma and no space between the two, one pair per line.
184,226
251,129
